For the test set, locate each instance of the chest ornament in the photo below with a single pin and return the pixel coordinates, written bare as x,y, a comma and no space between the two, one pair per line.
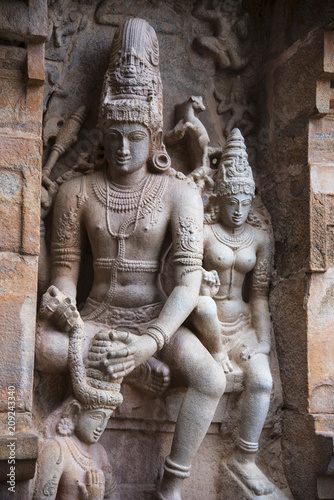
234,241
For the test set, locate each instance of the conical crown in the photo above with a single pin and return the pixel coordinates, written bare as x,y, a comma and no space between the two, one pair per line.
132,89
234,172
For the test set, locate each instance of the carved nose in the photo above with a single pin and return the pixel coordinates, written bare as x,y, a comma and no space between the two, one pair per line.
124,148
130,70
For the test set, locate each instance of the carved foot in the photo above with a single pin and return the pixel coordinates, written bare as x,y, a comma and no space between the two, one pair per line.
152,377
159,496
251,476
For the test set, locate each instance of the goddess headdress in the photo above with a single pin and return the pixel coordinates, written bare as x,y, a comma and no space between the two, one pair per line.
234,172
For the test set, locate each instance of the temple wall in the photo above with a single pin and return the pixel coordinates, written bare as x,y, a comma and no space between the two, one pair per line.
288,95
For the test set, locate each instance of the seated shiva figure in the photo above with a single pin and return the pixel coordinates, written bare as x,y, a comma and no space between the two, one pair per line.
129,211
234,248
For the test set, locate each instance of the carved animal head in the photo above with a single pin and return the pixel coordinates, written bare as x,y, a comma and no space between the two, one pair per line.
197,103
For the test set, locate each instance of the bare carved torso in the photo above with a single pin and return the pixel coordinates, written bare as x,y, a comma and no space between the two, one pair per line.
232,265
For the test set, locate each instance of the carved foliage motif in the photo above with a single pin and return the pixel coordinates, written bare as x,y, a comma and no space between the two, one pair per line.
68,229
322,231
189,235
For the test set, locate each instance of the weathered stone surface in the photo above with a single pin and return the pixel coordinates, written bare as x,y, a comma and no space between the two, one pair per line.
304,454
21,20
21,104
20,164
320,342
18,278
35,61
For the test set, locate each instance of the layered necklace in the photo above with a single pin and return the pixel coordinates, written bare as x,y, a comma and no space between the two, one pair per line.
144,198
122,199
117,198
235,241
126,201
84,461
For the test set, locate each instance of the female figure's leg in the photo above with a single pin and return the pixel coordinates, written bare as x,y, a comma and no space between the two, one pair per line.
192,366
256,399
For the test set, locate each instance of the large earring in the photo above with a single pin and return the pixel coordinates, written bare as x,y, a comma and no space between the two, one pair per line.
161,160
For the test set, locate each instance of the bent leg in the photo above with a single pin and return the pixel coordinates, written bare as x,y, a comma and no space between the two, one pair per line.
256,398
206,324
205,320
258,385
192,366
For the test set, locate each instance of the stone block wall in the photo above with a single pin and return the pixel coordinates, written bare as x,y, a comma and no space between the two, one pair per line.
22,35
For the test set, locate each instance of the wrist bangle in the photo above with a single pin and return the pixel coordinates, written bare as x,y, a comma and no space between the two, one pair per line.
159,335
162,332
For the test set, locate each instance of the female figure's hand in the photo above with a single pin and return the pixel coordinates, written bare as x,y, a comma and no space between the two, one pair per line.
260,348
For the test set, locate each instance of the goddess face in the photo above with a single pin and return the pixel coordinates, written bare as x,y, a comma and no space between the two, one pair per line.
234,209
90,424
127,147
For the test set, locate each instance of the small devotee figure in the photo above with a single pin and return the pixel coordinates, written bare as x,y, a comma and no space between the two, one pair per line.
73,465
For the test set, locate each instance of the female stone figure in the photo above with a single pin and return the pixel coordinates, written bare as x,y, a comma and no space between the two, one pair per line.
129,211
234,248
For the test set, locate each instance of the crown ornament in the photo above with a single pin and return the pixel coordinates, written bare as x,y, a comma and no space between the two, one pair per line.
132,88
234,172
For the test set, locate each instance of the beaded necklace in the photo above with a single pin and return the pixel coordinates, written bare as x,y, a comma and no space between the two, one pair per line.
84,461
234,241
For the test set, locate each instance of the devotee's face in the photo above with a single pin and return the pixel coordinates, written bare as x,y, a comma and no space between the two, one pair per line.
91,424
127,147
234,210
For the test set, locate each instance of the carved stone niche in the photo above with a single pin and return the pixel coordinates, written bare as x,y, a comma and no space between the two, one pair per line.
210,85
117,186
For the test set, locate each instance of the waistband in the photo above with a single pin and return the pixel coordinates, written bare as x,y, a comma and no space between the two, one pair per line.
148,266
121,316
237,326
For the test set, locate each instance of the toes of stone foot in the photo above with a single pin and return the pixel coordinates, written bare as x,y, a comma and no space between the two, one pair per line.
257,488
268,489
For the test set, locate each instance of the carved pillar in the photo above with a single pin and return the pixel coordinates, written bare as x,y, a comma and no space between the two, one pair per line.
320,305
23,29
299,195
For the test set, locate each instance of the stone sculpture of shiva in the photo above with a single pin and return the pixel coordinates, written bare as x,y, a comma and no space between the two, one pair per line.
129,211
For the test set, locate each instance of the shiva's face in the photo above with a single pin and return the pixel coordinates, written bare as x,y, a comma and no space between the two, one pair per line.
127,147
90,424
234,209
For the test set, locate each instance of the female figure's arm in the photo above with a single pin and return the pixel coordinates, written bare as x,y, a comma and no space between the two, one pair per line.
259,298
